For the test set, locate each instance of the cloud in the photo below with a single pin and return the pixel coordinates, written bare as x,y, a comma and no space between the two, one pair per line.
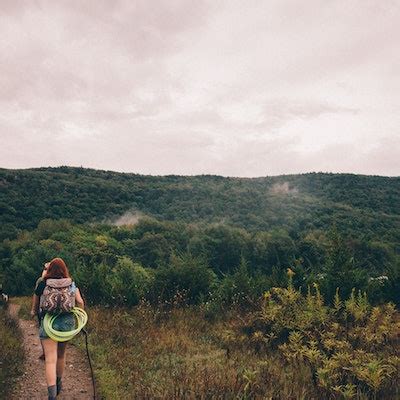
278,112
191,87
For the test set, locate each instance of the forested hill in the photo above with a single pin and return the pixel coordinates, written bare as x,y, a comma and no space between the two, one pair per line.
363,205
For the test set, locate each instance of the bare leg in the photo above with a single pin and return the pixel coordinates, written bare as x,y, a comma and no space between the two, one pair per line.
42,355
50,351
61,359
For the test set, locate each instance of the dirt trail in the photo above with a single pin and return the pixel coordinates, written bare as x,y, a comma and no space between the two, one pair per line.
77,384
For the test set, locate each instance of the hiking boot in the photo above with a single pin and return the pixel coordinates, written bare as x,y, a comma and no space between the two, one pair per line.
59,385
52,392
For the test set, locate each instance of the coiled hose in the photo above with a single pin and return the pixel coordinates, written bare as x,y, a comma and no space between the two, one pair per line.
63,336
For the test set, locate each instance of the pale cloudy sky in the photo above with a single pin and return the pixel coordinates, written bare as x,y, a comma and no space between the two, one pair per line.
234,88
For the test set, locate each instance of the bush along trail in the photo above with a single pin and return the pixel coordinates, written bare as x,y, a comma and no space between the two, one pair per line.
77,383
11,351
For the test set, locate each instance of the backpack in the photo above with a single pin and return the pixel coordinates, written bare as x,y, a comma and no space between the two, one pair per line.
58,296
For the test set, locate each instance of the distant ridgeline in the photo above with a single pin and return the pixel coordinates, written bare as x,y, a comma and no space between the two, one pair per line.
367,206
310,222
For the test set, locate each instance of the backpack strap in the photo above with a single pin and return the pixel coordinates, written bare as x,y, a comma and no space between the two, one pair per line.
72,288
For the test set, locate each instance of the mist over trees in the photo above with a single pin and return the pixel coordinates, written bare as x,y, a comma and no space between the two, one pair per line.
202,237
365,206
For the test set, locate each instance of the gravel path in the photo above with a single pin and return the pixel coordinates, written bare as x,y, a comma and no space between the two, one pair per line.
77,384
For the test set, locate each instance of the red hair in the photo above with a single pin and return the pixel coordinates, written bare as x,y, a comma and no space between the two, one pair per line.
57,269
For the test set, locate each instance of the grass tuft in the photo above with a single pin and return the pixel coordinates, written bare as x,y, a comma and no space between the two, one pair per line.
11,353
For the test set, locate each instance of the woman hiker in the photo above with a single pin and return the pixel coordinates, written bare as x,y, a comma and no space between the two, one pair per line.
56,284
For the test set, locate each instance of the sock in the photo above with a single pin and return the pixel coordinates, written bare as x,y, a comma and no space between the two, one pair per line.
52,392
59,385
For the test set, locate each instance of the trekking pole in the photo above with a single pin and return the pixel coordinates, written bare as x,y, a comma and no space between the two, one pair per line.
88,356
90,363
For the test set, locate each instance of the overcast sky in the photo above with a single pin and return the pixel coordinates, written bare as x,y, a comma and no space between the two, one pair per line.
234,88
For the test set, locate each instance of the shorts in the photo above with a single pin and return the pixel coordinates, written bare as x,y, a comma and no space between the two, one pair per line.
64,323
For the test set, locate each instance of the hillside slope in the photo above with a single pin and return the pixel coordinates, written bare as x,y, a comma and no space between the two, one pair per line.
358,204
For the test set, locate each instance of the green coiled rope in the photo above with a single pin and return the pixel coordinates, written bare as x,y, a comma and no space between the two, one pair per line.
63,336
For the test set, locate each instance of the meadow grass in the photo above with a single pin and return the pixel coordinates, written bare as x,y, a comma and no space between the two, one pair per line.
11,352
147,353
291,346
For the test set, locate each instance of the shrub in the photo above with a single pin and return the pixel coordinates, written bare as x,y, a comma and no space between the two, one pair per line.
129,282
186,276
239,289
348,346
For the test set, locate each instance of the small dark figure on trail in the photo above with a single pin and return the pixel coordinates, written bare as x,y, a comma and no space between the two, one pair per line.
55,289
4,296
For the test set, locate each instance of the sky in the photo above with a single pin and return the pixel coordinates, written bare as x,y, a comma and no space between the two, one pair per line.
232,88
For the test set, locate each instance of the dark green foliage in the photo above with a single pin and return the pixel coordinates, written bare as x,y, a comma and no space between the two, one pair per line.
238,291
94,282
212,223
129,283
186,280
223,246
236,266
366,207
153,250
340,270
272,249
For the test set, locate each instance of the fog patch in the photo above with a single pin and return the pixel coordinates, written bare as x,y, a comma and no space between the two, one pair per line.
128,218
283,188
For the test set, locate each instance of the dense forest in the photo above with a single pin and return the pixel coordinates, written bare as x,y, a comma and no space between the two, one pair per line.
364,206
201,234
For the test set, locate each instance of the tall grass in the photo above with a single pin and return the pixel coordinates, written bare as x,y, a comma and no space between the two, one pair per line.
146,353
288,346
291,346
11,352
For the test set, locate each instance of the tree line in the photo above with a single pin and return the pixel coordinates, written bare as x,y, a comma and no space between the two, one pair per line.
365,207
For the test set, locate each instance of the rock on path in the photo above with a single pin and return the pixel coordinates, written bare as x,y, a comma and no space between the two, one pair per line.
77,383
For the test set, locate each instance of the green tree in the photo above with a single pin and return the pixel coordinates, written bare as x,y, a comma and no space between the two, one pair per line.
340,269
129,282
186,276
